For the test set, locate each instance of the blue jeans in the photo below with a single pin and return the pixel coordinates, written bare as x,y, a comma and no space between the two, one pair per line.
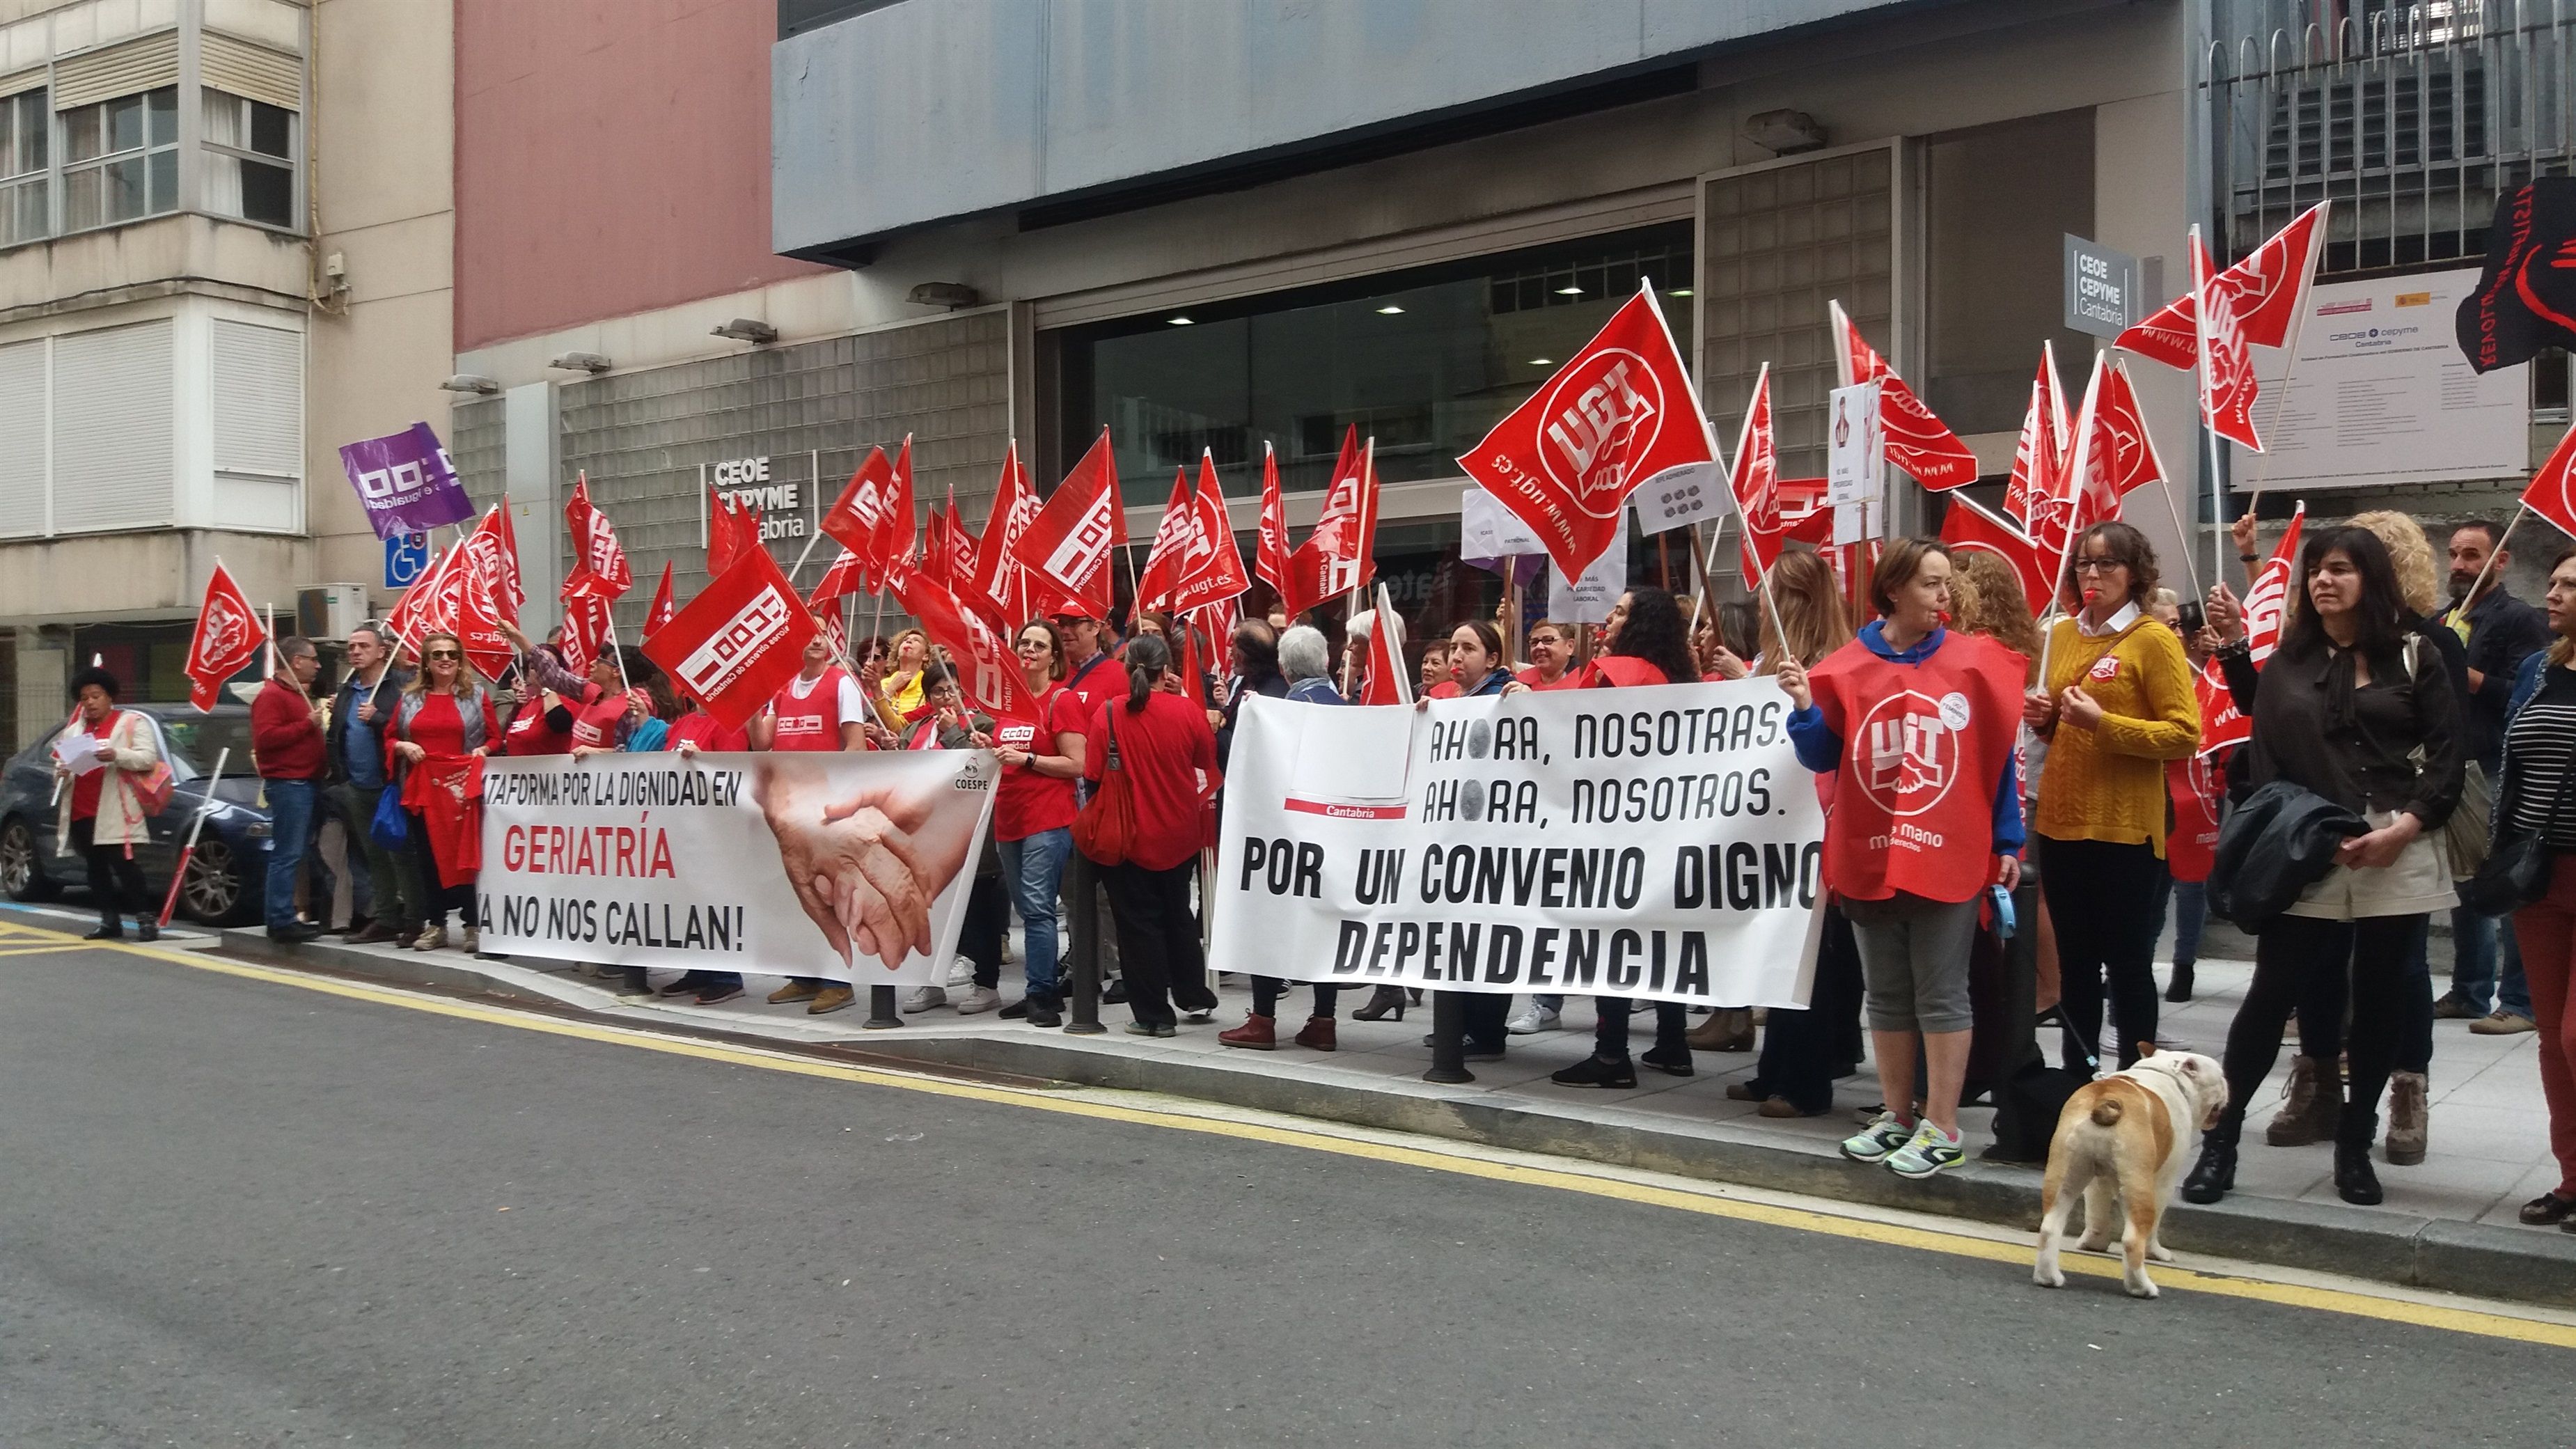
2475,974
2190,913
1033,871
291,804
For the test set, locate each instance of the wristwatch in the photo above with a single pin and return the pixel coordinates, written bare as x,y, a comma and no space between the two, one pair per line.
2247,557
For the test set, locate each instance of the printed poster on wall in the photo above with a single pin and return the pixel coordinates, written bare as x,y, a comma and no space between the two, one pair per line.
2381,395
849,867
1658,844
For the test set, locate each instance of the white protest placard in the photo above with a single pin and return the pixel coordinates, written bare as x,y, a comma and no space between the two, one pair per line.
1855,445
1659,844
776,864
1588,600
1486,529
1682,496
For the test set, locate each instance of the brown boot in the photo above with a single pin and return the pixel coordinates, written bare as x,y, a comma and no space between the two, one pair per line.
1728,1029
1257,1033
2407,1109
1318,1035
2314,1110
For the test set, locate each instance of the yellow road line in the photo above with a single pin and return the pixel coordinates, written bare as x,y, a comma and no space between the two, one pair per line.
2297,1295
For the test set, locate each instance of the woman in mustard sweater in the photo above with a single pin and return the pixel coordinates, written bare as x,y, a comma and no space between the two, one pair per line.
2115,703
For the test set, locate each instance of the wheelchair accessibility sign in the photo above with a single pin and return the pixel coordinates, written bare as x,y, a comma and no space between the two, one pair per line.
406,559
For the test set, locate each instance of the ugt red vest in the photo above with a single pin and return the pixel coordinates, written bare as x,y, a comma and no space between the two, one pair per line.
1924,747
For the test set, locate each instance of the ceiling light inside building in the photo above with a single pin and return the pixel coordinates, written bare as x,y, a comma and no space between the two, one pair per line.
1679,292
1569,291
1542,362
1178,321
1390,310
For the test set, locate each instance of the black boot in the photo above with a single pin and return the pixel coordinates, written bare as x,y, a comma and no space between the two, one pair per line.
2355,1180
2179,988
2215,1173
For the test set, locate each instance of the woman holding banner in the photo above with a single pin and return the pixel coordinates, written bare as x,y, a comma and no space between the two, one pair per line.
1644,642
1476,662
947,723
1164,748
444,725
1551,652
1033,811
1918,724
2117,705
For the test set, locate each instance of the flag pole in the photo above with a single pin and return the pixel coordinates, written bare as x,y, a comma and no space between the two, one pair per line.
2183,534
810,544
616,653
170,902
2200,290
2494,553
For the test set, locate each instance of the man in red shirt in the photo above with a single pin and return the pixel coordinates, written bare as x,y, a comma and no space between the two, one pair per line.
822,708
286,739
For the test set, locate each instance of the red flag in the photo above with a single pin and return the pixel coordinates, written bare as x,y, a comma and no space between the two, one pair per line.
2552,493
463,604
988,672
839,581
228,637
2266,609
2087,493
1193,676
998,585
934,548
730,530
1067,545
1389,682
1212,567
659,612
2128,454
1347,527
895,539
1163,559
410,618
585,632
863,513
2220,723
2039,456
2227,386
738,642
1754,479
2265,288
508,590
1917,442
1616,415
1220,618
1270,559
1971,528
961,544
599,564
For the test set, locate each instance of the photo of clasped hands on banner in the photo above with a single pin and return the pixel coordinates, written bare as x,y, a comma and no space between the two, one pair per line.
867,860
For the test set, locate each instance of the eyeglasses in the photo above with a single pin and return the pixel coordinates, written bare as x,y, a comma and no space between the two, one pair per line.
442,654
2097,565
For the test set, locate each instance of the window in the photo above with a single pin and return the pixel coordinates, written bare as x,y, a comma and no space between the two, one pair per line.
250,156
121,159
1424,360
2000,202
24,128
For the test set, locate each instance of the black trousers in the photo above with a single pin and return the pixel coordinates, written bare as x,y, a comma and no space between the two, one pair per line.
1158,941
1485,1013
1802,1051
2102,899
1266,991
2322,1001
115,880
1610,1027
2290,954
439,899
979,936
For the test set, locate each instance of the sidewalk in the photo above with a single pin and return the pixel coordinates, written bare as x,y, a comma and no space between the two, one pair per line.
2447,1224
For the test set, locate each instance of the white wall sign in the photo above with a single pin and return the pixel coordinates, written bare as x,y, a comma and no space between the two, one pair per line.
2380,395
745,482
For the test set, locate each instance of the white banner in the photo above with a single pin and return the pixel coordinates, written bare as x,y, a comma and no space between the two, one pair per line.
1675,855
850,867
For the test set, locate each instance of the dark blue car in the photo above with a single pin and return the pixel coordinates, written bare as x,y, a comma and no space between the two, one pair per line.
225,876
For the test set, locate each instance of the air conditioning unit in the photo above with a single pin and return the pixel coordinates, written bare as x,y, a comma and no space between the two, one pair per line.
330,611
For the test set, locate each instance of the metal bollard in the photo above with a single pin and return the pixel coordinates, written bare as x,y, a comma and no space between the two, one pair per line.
881,1009
1082,938
1448,1039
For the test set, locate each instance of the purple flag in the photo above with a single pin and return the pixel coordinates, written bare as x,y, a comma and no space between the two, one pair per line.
406,482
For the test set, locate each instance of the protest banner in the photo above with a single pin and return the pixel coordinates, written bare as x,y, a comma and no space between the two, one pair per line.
1674,855
849,867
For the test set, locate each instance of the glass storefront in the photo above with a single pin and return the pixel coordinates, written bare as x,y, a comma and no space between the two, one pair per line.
1424,360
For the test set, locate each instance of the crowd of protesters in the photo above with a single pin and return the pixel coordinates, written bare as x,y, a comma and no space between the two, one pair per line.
2387,700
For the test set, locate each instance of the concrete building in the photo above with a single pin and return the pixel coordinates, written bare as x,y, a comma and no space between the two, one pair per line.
1212,225
219,257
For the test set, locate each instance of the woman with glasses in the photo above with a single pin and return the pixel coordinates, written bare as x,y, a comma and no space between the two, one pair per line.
445,722
2115,704
1033,811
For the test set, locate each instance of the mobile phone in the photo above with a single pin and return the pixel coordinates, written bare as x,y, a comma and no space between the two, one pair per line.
2194,617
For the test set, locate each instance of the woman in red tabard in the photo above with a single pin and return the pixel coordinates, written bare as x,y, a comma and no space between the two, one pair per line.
1551,652
1165,748
1033,810
821,709
554,701
1918,721
443,728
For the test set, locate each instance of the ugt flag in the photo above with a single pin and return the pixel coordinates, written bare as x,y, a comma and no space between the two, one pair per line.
229,636
405,482
1619,414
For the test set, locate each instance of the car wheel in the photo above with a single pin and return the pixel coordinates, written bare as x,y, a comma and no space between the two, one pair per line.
20,875
212,892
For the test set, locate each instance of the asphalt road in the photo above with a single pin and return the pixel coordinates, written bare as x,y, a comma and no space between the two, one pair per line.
240,1213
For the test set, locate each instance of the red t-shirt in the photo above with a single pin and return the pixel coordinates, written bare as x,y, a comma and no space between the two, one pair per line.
1028,802
85,788
1445,689
1164,751
439,728
699,728
1570,679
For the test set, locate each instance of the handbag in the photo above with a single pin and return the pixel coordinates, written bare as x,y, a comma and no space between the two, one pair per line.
390,829
2516,872
154,789
2466,836
1105,828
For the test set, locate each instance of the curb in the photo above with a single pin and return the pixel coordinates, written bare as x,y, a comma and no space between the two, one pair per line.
2473,1259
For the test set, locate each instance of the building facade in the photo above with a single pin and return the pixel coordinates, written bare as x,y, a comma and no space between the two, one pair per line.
218,219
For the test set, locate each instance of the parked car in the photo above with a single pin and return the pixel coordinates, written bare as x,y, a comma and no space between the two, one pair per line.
230,868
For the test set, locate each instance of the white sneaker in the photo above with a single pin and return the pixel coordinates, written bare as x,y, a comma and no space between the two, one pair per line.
1533,1021
925,997
979,999
961,972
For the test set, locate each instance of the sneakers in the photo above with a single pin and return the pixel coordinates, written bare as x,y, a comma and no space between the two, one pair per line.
830,998
1041,1011
1675,1063
431,938
2452,1006
2503,1023
979,999
1927,1152
922,998
1533,1021
1594,1072
1879,1140
801,989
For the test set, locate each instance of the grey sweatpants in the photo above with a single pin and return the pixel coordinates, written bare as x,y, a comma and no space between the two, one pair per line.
1914,963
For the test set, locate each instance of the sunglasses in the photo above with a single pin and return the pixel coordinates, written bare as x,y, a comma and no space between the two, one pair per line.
443,654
